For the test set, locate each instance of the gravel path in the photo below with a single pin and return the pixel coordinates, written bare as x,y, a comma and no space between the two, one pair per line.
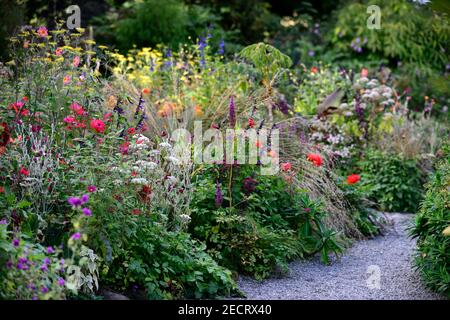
354,276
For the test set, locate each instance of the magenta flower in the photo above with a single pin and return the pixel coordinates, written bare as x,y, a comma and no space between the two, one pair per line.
87,212
44,290
85,198
47,261
74,201
75,236
91,188
61,282
44,268
50,250
16,242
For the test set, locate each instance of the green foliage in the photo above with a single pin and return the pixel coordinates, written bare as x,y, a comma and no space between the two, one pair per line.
24,270
267,225
165,265
366,219
392,181
268,60
433,258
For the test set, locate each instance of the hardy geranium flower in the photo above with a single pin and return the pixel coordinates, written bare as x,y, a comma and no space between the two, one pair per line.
42,32
75,236
353,178
24,171
315,158
286,166
50,250
98,125
75,201
87,212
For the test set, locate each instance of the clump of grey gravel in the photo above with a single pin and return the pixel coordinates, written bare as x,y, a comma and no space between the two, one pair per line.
380,268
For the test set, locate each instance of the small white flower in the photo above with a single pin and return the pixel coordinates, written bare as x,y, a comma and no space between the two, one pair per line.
139,181
174,160
185,218
154,152
165,145
172,180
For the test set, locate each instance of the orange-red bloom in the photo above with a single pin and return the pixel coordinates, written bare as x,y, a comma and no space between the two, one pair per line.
353,178
315,158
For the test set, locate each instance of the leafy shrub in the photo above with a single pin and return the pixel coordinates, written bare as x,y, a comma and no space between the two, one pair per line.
257,228
394,182
165,265
432,229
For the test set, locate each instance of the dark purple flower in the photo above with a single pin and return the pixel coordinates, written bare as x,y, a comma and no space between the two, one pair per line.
50,250
47,261
16,242
44,268
87,212
9,264
44,290
232,113
283,106
249,185
219,197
